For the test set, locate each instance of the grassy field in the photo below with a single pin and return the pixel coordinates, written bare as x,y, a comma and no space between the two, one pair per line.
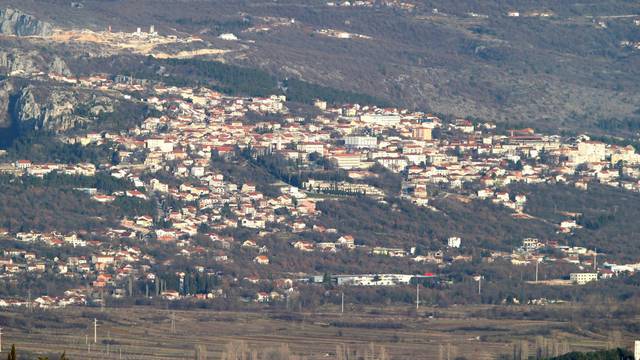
147,333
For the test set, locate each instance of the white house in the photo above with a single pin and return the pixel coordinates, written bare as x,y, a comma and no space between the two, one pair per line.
454,242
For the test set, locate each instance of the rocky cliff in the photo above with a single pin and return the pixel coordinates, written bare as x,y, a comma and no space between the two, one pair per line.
15,22
6,89
35,106
18,61
58,109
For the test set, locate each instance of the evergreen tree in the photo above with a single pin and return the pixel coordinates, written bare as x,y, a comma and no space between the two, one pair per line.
12,353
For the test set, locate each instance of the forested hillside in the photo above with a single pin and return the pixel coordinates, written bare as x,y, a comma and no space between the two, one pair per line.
602,211
54,204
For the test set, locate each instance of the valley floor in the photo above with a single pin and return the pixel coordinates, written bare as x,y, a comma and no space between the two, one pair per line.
148,333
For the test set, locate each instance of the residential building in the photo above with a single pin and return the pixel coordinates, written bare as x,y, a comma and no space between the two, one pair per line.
583,278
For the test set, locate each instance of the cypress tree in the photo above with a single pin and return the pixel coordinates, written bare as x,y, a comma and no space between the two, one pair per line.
12,353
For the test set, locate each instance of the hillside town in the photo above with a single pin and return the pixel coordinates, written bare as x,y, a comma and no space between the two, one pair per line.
319,179
198,128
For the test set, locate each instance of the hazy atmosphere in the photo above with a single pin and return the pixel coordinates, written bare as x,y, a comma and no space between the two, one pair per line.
313,179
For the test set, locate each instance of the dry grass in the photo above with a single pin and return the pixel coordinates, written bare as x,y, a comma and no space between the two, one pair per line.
146,333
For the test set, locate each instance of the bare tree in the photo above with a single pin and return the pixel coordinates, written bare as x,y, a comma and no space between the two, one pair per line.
201,352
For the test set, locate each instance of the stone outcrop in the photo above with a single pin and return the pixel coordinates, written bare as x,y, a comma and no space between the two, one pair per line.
57,110
6,90
26,108
16,61
15,22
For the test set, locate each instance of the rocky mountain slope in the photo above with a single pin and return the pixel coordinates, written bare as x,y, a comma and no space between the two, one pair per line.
15,60
556,65
16,22
27,106
6,89
56,110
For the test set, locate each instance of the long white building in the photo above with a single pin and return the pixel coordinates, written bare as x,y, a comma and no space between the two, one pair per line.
361,141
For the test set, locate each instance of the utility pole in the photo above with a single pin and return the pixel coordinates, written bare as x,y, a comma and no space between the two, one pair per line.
342,302
95,330
417,296
595,259
537,262
173,322
480,285
0,339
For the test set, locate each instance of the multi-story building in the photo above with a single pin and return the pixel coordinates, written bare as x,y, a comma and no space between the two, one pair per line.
347,161
583,278
421,133
311,147
381,119
361,141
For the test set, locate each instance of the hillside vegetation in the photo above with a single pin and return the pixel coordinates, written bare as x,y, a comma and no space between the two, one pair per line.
603,211
467,58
